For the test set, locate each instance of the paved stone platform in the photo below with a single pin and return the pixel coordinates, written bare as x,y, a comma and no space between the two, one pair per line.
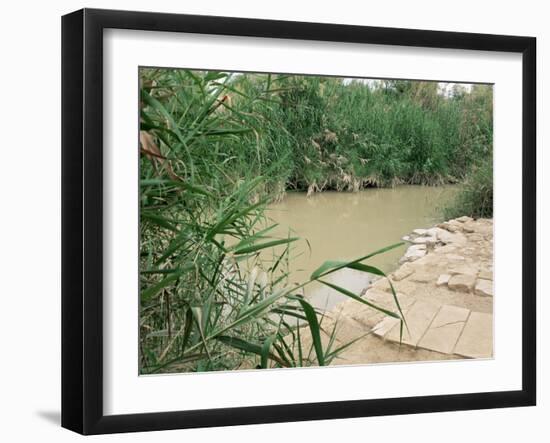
446,329
444,285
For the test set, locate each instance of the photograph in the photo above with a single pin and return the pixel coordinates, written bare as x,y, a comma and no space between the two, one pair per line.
293,221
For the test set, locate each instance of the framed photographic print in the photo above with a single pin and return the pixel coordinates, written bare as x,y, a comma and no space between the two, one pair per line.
269,221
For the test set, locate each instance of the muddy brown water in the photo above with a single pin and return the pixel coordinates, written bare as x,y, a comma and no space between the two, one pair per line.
345,226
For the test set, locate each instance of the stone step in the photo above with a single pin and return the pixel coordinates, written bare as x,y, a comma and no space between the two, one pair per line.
476,340
446,329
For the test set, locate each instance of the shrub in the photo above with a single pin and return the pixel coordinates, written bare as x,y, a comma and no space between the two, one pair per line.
475,197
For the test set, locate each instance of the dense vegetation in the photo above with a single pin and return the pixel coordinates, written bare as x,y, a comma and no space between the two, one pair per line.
216,148
475,197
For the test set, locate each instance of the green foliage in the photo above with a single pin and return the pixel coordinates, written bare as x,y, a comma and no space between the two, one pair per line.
214,295
475,198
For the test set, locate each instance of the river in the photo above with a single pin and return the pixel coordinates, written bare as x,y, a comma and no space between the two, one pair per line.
345,226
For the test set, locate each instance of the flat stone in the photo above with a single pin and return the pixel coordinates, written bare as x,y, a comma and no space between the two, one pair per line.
485,229
307,340
348,329
476,237
418,319
420,231
443,279
435,231
406,238
455,257
382,284
386,325
414,253
476,340
451,226
469,227
369,316
349,308
403,272
386,300
446,249
464,219
464,268
462,282
425,241
450,314
423,277
445,329
451,238
486,275
484,287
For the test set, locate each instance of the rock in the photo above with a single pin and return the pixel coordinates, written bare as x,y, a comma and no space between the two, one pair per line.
475,238
423,277
454,226
385,326
445,329
414,253
403,272
462,282
443,279
420,231
455,257
485,229
448,237
476,340
419,317
450,226
469,227
382,284
347,329
406,238
464,219
425,241
433,232
486,275
386,300
484,288
446,249
464,268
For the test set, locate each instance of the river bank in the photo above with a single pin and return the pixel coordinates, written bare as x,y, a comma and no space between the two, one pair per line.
445,287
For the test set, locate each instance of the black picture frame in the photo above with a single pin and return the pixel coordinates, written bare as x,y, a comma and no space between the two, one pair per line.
82,219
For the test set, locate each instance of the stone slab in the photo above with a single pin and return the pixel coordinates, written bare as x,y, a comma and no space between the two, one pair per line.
487,275
445,329
420,231
453,238
443,279
403,272
423,277
425,240
385,326
484,287
462,282
464,268
476,340
418,318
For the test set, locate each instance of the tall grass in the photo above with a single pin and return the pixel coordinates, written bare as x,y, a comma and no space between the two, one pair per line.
475,197
210,298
